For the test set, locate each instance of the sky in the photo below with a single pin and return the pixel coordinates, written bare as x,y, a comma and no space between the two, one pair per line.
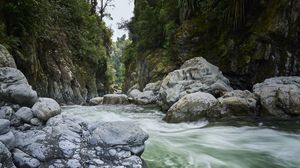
123,10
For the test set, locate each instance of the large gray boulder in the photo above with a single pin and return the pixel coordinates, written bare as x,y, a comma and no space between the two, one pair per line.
115,99
6,60
194,75
15,88
46,108
8,140
280,96
191,107
236,103
71,142
25,114
154,87
96,101
5,157
143,98
22,159
4,126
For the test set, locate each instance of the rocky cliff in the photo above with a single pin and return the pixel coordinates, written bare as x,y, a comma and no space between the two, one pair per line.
260,41
59,45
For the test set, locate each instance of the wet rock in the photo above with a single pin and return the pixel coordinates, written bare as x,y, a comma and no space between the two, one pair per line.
191,107
46,108
194,75
25,114
4,126
235,103
8,140
96,101
22,159
142,98
280,96
15,88
5,157
115,99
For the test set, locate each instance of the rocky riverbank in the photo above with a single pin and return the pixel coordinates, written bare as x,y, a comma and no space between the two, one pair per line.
198,90
34,133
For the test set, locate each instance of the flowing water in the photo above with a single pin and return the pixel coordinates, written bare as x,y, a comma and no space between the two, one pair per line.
203,145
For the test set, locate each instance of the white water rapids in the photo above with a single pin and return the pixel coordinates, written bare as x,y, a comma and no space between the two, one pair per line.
200,144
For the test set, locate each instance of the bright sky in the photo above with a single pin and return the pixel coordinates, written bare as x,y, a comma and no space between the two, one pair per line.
123,10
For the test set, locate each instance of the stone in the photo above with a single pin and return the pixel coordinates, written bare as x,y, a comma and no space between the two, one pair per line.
191,107
154,87
36,122
115,99
236,103
25,114
6,112
195,75
8,140
96,101
15,88
4,126
142,98
46,108
280,96
5,157
22,159
6,60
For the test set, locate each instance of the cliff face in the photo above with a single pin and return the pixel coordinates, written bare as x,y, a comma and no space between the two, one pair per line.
261,44
60,47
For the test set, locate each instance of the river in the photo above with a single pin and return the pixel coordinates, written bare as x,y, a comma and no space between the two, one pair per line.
202,144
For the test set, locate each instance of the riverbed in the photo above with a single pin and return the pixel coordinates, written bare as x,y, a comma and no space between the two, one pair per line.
202,144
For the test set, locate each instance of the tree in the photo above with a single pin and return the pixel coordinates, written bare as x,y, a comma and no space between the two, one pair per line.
103,6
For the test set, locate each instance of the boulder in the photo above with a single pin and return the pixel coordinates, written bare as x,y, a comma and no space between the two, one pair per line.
5,157
15,88
4,126
136,86
96,101
194,75
22,159
142,98
115,99
154,87
280,96
8,140
6,60
36,122
118,133
46,108
70,142
6,112
191,107
25,114
236,103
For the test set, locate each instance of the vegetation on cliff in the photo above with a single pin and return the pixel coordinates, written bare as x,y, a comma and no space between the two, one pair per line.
239,36
59,45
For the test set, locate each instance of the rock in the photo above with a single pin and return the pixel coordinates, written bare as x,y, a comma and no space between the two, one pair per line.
8,140
194,75
67,142
280,96
142,98
22,159
5,157
115,99
15,88
36,122
25,114
6,60
46,108
234,104
96,101
191,107
6,112
153,87
4,126
136,86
